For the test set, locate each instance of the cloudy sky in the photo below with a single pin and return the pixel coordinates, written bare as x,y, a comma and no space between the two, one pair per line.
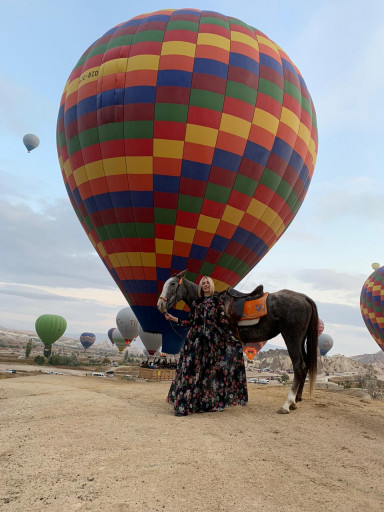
47,264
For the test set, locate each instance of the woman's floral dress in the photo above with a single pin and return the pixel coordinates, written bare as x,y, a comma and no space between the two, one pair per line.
210,374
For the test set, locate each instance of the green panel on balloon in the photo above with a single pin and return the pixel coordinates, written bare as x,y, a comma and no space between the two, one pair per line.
241,92
171,112
189,203
206,99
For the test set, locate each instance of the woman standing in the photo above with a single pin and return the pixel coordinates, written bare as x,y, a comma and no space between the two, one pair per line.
210,374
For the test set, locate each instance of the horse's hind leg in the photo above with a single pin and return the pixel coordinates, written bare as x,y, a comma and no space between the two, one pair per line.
290,402
299,395
300,372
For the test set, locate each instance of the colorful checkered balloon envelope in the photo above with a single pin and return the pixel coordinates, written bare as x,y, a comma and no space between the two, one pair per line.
87,339
372,305
186,139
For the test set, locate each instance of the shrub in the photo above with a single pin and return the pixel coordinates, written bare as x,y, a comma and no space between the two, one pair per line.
39,359
374,389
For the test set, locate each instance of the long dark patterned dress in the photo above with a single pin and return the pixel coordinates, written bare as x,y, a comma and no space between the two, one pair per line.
210,374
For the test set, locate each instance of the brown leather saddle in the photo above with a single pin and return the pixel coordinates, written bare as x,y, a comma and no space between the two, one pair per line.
234,305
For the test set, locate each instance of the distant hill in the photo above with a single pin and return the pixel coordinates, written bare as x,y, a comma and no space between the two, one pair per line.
279,359
378,357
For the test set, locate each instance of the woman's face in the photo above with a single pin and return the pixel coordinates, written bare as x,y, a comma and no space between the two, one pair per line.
205,286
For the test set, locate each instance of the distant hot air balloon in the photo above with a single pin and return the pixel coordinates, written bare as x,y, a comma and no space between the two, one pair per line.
87,339
186,139
250,352
258,345
119,340
50,328
152,342
372,304
325,343
31,141
320,327
110,333
127,324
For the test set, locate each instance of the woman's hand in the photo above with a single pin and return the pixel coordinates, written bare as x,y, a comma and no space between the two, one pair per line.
171,317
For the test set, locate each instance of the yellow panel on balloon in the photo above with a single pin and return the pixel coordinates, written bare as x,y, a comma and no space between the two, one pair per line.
183,234
214,40
178,48
114,66
163,246
232,215
168,148
304,133
201,135
265,120
290,119
245,39
138,62
235,125
208,224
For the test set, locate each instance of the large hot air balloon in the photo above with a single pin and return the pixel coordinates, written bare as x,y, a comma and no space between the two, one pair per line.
325,343
50,328
31,141
372,304
186,139
320,326
151,341
119,340
87,339
127,324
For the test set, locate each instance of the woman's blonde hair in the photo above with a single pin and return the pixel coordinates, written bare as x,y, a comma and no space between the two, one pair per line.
211,286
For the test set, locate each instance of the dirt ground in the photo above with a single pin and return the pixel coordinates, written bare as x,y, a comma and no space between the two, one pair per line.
72,443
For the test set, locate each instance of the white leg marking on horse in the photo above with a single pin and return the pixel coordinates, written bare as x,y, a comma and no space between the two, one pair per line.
290,403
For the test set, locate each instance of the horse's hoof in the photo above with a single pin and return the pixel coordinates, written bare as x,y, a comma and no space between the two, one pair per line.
282,411
293,407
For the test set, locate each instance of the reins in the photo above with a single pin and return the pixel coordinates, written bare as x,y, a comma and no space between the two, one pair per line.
166,300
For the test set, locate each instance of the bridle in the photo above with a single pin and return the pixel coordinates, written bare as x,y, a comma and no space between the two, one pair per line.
173,296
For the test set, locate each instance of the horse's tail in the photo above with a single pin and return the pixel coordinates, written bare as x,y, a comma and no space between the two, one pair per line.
312,342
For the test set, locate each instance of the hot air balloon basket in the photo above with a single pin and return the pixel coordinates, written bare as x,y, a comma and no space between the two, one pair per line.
156,374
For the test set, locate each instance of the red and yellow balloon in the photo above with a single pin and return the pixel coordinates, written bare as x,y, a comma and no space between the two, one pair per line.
186,139
372,304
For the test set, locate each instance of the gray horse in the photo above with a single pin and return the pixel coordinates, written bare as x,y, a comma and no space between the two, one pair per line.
291,314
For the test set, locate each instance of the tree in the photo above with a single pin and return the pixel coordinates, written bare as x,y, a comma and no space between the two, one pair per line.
39,359
284,379
28,348
374,389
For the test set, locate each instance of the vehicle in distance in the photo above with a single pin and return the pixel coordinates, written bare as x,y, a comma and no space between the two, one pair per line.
253,379
98,374
10,370
263,381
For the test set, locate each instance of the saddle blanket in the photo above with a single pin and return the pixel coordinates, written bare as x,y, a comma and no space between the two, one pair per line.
254,309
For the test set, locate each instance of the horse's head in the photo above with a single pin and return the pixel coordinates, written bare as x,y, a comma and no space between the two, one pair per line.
171,293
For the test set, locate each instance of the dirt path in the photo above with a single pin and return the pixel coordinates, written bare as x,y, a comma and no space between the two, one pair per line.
75,443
